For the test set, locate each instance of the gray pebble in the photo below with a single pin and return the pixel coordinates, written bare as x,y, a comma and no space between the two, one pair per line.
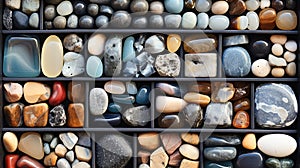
120,4
47,137
102,21
60,22
156,21
48,25
49,12
54,2
70,156
106,9
121,19
75,162
7,19
86,22
54,142
72,21
63,163
172,21
93,9
20,20
100,1
47,148
34,20
139,22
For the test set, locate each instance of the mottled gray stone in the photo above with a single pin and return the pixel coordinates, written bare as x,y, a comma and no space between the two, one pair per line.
201,65
102,21
193,115
72,21
121,19
49,12
113,56
168,65
235,40
219,154
29,6
222,140
106,9
137,116
218,114
7,18
34,20
172,21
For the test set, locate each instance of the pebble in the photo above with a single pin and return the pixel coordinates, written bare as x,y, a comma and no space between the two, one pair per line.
191,138
241,104
113,56
13,92
106,9
60,150
174,6
222,140
193,115
139,22
49,12
120,4
54,2
237,7
250,160
156,21
137,116
213,114
7,18
172,21
101,21
170,121
81,165
83,154
189,20
36,92
280,39
235,40
10,142
159,158
218,22
143,95
278,5
276,61
202,20
260,48
54,142
30,6
123,99
94,67
277,72
20,20
196,65
291,45
79,8
115,87
157,7
96,44
26,161
267,18
249,141
52,63
121,19
149,141
277,49
31,144
265,4
144,166
165,104
171,142
290,4
155,44
64,8
57,116
93,9
252,5
188,163
72,21
219,154
289,56
98,101
253,20
73,42
70,156
168,65
279,97
226,164
203,5
34,20
144,156
189,151
128,53
169,89
50,160
291,69
63,163
131,88
273,162
47,137
76,115
84,139
219,7
236,62
47,148
241,120
242,90
73,64
173,42
36,115
268,144
240,23
286,20
139,6
112,142
75,162
261,68
197,98
86,22
196,44
58,94
13,4
69,139
13,114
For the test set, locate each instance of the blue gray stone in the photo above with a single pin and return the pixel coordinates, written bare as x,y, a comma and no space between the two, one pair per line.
114,108
128,49
218,114
273,163
172,21
235,40
102,21
174,6
236,62
20,20
219,154
94,67
86,22
222,140
250,160
112,119
143,95
131,88
123,99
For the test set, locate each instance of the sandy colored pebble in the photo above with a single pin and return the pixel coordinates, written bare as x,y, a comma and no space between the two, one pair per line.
280,39
291,45
219,7
277,72
277,49
249,141
261,68
291,69
289,56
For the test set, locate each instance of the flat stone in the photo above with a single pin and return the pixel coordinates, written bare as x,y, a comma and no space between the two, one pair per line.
52,63
289,56
222,140
286,20
57,116
121,19
265,4
236,62
137,116
20,20
291,45
13,92
98,101
241,120
47,149
237,7
36,115
83,154
13,4
203,20
249,141
189,151
156,21
36,92
253,20
73,64
175,6
123,99
171,142
169,89
192,114
113,56
201,65
69,139
222,92
261,68
203,5
173,42
144,156
30,6
165,104
60,22
199,45
31,144
190,138
235,40
149,141
189,20
115,87
170,121
64,8
63,163
172,21
54,143
128,49
260,48
76,115
250,160
168,65
81,165
277,72
218,22
189,164
34,20
11,160
113,151
219,7
159,158
267,18
225,164
218,114
94,67
281,99
72,21
73,42
60,150
26,161
156,7
291,69
131,88
220,153
242,104
252,5
7,18
10,142
239,23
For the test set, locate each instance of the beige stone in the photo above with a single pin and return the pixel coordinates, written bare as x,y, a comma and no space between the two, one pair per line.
96,44
277,72
31,144
171,142
144,156
149,141
219,7
60,150
83,154
159,158
189,151
13,92
50,160
197,98
10,141
277,49
276,61
249,141
36,92
291,45
280,39
289,56
190,138
115,87
261,68
165,104
291,69
201,65
189,164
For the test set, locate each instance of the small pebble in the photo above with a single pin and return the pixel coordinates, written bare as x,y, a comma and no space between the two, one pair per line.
64,8
79,8
265,4
72,21
291,69
289,56
102,21
63,163
277,72
86,22
47,148
252,5
189,20
261,68
93,9
291,45
156,21
219,7
189,151
54,142
277,49
60,150
157,7
203,20
276,61
280,39
49,12
59,22
249,141
10,142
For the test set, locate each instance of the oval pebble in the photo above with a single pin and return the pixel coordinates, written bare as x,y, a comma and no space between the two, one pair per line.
218,22
280,39
64,8
96,44
289,56
189,151
94,67
291,69
10,142
261,68
114,87
98,101
219,7
189,20
277,72
277,145
291,45
174,6
277,49
253,20
252,5
59,22
203,20
203,5
157,7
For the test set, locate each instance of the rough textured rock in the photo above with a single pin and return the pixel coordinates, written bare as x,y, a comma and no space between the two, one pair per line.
73,42
98,101
159,158
113,56
168,65
57,116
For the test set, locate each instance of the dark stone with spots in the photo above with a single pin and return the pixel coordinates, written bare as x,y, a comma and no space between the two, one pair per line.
250,160
57,116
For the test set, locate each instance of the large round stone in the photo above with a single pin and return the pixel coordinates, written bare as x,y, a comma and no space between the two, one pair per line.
286,20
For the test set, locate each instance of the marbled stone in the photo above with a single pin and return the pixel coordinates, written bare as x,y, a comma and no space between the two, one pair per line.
222,92
267,18
159,158
236,62
277,72
249,141
286,20
34,20
75,115
13,4
291,69
98,101
276,61
242,104
203,20
69,139
189,20
250,160
64,8
241,120
171,142
261,68
287,163
83,154
113,151
219,7
128,49
57,116
189,163
73,64
220,153
60,150
237,7
36,115
260,48
26,161
172,21
30,6
11,160
175,159
170,121
281,99
189,151
10,142
72,21
52,63
86,22
222,140
289,56
239,23
235,40
291,45
63,163
60,22
156,7
7,18
174,6
20,20
165,104
79,8
94,67
168,65
218,114
219,22
113,56
201,65
13,92
203,5
273,163
101,21
115,87
225,164
137,116
253,20
197,98
156,21
252,5
31,144
121,19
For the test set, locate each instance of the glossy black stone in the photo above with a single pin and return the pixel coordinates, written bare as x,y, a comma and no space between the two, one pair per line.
278,4
20,20
260,48
120,4
79,8
86,22
108,118
222,140
290,4
170,121
250,160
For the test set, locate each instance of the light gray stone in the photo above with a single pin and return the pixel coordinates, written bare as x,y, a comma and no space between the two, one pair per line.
70,156
155,44
63,163
64,8
30,6
73,64
218,114
113,56
168,65
201,65
98,101
72,21
172,21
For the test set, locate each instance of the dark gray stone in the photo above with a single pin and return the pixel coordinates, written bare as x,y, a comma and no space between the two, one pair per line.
219,154
20,20
222,140
79,8
286,163
170,121
250,160
100,1
193,115
48,25
273,163
226,164
137,116
7,18
93,9
57,116
86,22
113,56
102,21
120,4
49,12
121,19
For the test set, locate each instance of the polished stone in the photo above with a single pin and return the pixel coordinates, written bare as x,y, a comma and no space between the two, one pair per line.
26,161
140,22
60,22
128,52
31,144
76,115
219,7
170,121
278,5
289,56
201,87
237,7
287,163
73,42
200,45
241,120
252,5
94,67
253,20
123,99
265,4
131,88
222,140
171,142
64,8
291,69
120,4
107,10
169,89
68,139
143,156
250,160
189,163
218,22
93,9
203,5
10,142
218,154
218,114
189,20
36,115
291,45
242,90
165,104
113,56
249,141
280,39
139,6
72,21
203,20
189,151
63,163
242,104
174,6
173,42
96,44
36,92
192,114
260,48
156,7
11,160
137,116
149,141
261,68
20,20
13,92
155,44
102,21
168,65
98,101
156,21
290,4
83,154
172,21
222,92
201,65
107,118
197,98
34,20
58,95
273,163
175,159
79,8
115,87
225,164
30,6
13,114
143,95
190,138
60,150
76,92
86,22
13,4
277,72
239,23
286,20
121,19
276,61
235,40
267,18
191,5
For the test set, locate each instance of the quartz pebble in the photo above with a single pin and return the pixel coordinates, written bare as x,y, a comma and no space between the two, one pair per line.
72,21
189,151
240,23
277,49
286,20
10,142
171,142
155,44
203,5
218,22
265,4
189,20
34,20
36,92
192,114
172,21
63,163
64,8
98,101
199,44
165,104
31,144
261,68
253,20
81,165
203,20
219,7
249,141
277,72
159,158
168,65
83,154
201,65
149,141
70,156
54,142
13,92
291,45
68,139
222,92
252,5
291,69
76,91
47,149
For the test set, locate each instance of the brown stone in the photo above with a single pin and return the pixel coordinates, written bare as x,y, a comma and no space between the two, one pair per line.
190,138
149,140
50,160
249,141
165,104
201,87
36,92
242,90
190,3
222,92
26,161
31,144
76,92
242,104
144,156
13,92
197,98
189,164
189,151
286,20
11,160
175,159
171,142
267,18
36,115
241,120
173,42
13,114
159,158
75,115
237,7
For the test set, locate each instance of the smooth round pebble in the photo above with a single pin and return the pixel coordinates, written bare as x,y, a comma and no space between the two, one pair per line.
289,56
34,20
291,69
102,21
49,12
280,39
291,45
203,5
139,6
174,6
86,22
93,9
286,20
94,67
265,4
144,166
252,5
96,44
253,20
72,21
60,22
79,8
189,151
156,21
261,68
63,163
120,4
219,7
277,72
218,22
98,101
10,142
64,8
121,19
249,141
157,7
203,20
277,49
189,20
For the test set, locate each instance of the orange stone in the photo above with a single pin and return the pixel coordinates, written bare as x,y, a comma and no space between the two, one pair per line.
241,120
76,115
197,98
173,42
242,104
190,138
36,115
149,141
249,141
267,18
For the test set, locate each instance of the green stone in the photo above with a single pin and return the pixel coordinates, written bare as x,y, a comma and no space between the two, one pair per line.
94,67
287,163
273,163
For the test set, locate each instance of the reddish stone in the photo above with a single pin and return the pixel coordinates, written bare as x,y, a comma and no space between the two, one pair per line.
58,95
28,162
144,156
175,159
11,160
242,104
241,120
171,142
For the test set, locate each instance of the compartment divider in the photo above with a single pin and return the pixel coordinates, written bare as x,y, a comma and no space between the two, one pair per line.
219,57
201,151
41,15
252,103
86,105
152,106
94,141
135,150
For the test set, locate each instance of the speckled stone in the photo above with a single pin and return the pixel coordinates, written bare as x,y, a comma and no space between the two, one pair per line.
72,21
222,140
168,65
98,101
57,116
220,153
193,115
281,99
113,56
7,18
